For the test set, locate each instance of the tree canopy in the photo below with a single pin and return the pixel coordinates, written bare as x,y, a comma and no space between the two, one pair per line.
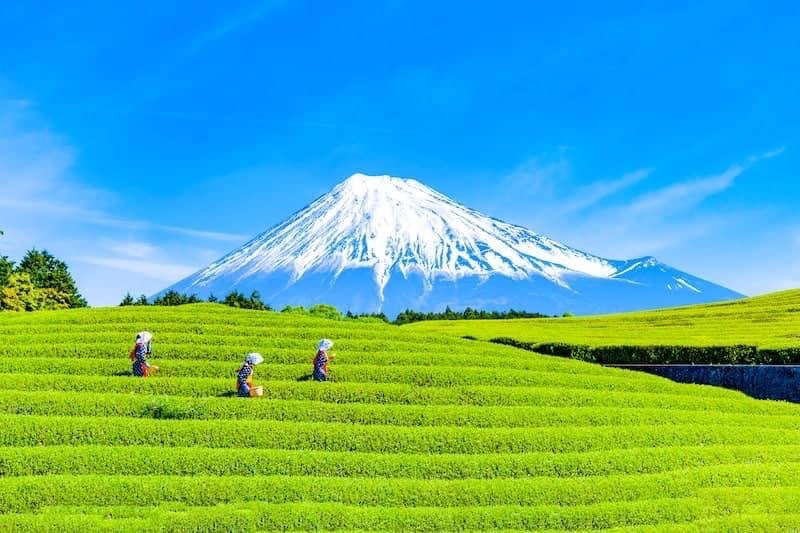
48,272
40,281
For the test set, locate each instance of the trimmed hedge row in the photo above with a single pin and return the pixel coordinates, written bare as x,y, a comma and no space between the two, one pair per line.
198,461
182,408
426,376
390,393
32,493
55,430
233,353
233,349
331,516
734,354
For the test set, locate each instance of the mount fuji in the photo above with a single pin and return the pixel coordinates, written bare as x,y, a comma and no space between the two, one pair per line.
378,243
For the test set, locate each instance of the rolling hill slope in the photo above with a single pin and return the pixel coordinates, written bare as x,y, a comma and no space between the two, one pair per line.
418,431
770,321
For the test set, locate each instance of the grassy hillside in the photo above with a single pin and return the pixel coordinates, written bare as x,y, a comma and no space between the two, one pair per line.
419,431
768,322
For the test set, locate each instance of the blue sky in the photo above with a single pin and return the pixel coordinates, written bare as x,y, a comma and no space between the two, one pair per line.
140,141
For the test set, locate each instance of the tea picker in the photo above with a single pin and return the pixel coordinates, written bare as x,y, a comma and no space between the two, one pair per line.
144,346
321,360
244,377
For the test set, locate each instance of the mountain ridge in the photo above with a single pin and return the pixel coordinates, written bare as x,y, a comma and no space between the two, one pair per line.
369,233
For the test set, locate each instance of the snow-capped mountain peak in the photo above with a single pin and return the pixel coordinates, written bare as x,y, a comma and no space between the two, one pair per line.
388,233
391,225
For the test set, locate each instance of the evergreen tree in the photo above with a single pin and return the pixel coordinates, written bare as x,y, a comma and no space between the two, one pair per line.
47,272
141,300
236,299
6,269
239,300
212,299
128,300
255,302
170,298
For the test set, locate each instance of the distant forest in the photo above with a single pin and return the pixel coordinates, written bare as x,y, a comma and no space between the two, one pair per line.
254,301
408,316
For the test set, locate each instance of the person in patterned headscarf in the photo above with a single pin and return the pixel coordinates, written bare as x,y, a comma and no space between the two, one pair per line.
244,376
321,360
143,347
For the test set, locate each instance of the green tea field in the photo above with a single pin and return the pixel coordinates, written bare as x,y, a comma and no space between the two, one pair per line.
420,430
765,329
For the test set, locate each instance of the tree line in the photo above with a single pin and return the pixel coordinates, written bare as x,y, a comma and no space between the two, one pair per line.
239,300
409,315
171,297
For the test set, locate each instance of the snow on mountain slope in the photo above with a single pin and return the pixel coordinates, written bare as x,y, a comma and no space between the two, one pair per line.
373,231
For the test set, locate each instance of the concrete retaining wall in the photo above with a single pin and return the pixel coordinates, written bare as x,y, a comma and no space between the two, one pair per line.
769,382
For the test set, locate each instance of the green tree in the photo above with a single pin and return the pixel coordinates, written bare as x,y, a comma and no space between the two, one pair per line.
236,299
50,299
141,300
128,300
6,269
212,299
239,300
18,293
254,302
325,311
170,298
48,272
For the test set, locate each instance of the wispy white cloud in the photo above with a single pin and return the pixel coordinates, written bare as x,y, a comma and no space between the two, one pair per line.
138,250
598,191
35,177
147,86
166,272
597,218
766,155
44,205
547,184
687,194
538,176
627,238
238,21
202,234
667,219
98,218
